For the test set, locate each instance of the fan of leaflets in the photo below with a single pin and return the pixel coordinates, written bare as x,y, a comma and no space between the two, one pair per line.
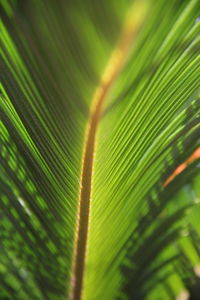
142,219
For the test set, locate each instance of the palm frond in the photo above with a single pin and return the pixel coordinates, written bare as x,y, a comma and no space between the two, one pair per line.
99,106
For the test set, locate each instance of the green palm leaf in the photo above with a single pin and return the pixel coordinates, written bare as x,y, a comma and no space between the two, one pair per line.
99,105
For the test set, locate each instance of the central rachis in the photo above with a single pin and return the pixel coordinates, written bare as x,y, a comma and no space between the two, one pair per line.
132,25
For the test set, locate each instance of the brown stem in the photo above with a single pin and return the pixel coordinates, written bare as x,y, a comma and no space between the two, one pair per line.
130,30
